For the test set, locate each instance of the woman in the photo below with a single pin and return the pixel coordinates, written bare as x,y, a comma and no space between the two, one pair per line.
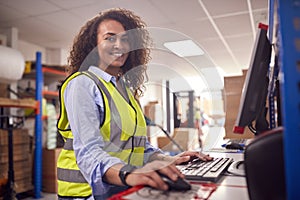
106,148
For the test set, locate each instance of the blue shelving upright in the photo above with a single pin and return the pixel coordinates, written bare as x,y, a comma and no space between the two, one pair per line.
288,12
38,128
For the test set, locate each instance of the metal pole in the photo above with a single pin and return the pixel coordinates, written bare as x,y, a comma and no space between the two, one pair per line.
38,128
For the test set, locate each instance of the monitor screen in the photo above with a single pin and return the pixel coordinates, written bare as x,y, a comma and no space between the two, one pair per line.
252,111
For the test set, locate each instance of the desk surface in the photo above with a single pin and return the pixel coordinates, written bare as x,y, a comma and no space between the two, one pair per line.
228,187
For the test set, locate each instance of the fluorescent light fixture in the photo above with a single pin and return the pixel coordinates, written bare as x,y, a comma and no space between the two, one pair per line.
184,48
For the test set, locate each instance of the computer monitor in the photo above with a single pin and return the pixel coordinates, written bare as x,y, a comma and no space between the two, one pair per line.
252,108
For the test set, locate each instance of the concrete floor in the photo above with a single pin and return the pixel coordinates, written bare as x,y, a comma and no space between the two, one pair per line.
44,196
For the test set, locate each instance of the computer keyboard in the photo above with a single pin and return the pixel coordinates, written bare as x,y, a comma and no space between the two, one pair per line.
205,170
238,140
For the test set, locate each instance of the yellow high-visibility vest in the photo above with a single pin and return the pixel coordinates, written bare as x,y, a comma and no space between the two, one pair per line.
123,131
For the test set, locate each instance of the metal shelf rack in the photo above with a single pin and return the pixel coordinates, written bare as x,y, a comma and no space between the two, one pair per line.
288,13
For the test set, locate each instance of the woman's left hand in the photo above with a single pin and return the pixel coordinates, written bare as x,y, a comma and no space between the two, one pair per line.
191,155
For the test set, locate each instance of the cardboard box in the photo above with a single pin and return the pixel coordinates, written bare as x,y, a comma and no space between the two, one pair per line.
22,169
20,136
49,174
3,90
22,157
233,87
22,147
23,185
186,138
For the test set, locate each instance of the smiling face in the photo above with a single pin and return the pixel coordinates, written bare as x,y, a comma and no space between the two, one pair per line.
113,46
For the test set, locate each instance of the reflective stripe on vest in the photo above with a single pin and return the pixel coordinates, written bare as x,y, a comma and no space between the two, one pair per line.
123,131
70,175
116,147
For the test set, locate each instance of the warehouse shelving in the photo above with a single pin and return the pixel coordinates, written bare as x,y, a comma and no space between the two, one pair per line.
287,12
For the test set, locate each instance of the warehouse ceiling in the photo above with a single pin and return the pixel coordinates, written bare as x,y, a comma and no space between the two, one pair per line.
225,30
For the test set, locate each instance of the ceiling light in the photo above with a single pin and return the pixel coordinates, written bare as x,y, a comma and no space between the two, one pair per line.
184,48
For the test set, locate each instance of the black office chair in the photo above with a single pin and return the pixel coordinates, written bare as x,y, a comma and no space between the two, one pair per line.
264,166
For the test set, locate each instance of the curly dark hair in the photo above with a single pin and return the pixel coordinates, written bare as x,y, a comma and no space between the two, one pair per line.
134,69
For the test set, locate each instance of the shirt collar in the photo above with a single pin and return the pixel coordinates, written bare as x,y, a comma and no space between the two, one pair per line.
102,74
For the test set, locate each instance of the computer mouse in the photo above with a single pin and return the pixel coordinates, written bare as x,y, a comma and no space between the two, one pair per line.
233,145
179,185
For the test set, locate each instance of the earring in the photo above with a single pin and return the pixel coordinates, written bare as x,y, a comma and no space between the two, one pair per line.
120,73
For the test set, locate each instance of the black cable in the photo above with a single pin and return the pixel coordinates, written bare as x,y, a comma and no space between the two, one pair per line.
172,140
151,123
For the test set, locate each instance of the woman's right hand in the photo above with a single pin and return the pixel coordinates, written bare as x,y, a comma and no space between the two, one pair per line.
147,175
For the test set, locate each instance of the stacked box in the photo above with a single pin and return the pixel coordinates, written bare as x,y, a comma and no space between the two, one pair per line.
49,170
22,159
186,138
3,90
233,87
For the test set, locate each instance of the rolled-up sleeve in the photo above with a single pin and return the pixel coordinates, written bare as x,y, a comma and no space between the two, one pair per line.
149,151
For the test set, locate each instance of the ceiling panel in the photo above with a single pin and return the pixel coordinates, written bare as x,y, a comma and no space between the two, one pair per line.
31,7
243,58
158,72
213,45
240,42
200,62
69,4
228,64
259,4
221,7
144,8
61,18
234,25
189,11
241,47
88,11
187,67
169,59
46,32
8,14
200,30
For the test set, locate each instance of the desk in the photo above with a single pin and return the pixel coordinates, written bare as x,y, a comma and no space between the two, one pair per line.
229,187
